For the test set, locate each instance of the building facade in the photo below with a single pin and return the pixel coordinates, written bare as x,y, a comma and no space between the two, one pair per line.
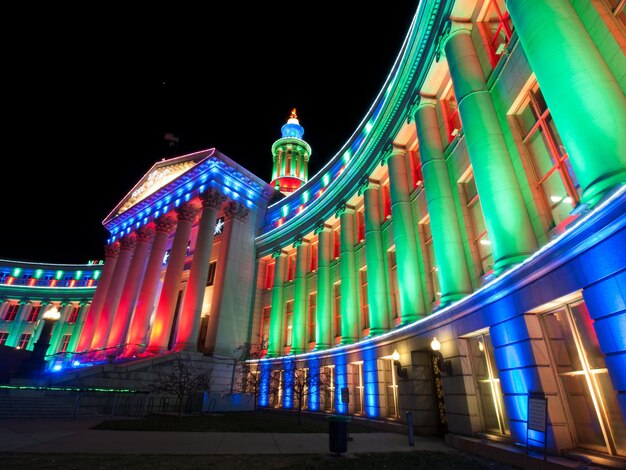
27,290
462,253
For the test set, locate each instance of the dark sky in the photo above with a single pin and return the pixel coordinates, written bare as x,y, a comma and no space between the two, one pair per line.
86,107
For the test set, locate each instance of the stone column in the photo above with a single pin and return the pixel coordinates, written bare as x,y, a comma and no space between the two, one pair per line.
408,271
114,293
590,111
349,286
127,304
111,253
299,331
508,224
162,326
60,328
226,314
16,327
275,341
453,273
78,326
324,311
138,331
189,324
377,292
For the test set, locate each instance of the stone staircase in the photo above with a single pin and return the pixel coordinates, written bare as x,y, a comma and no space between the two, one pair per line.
24,406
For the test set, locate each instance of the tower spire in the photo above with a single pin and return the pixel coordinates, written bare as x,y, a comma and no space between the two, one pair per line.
291,157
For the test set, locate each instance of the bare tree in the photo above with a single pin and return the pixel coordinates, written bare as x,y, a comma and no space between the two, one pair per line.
247,375
180,379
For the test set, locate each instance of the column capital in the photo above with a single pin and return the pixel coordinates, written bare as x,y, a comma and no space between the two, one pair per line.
278,252
451,29
187,212
128,243
392,151
233,209
145,234
320,228
412,108
112,250
212,198
300,240
164,224
368,184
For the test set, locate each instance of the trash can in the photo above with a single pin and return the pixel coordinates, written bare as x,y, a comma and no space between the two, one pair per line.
338,433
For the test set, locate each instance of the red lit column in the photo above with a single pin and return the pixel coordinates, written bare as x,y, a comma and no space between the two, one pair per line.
162,326
112,301
138,331
189,325
145,235
93,315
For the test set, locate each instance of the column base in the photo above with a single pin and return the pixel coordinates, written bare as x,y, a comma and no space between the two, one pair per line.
321,347
156,350
191,347
598,190
377,331
348,340
293,351
406,319
447,299
505,263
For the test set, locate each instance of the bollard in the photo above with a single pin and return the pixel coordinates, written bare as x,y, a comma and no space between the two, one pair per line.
409,423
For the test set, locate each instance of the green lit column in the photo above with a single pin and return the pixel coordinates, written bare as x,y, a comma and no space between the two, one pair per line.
585,100
452,271
347,262
508,225
276,341
299,336
409,279
324,312
376,285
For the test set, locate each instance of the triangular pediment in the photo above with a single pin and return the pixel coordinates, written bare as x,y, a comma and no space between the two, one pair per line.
159,176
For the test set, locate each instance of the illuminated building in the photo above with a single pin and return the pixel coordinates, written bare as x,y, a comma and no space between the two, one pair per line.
481,201
27,290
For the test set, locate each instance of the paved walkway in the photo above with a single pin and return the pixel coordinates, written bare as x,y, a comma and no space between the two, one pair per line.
60,436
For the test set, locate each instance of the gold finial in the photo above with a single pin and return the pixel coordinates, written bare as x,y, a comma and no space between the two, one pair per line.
293,114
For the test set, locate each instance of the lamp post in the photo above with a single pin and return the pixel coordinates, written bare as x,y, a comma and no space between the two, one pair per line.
34,365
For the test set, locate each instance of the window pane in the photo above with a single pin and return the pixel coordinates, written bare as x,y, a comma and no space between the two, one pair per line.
560,203
562,342
543,160
484,384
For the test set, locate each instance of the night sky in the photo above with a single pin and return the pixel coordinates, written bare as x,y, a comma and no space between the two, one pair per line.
88,105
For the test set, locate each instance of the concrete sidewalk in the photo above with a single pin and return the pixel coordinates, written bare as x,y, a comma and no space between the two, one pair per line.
56,436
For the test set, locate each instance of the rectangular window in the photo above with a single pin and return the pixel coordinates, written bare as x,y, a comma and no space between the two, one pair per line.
269,275
487,384
496,28
265,326
554,177
33,314
594,411
4,335
479,236
327,382
365,314
313,265
451,117
312,312
65,341
357,387
336,243
288,323
73,315
23,341
337,309
390,382
393,285
430,262
360,220
386,202
11,312
618,10
210,278
291,267
417,178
